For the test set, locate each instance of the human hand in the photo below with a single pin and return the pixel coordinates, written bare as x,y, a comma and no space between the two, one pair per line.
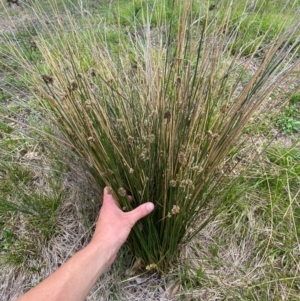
114,225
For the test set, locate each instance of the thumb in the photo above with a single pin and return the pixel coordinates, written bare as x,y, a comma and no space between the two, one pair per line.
140,212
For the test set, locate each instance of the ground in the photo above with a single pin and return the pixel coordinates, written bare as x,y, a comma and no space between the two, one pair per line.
243,255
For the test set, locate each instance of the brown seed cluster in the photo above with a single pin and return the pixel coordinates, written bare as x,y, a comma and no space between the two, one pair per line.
10,2
187,183
175,209
224,108
32,44
73,86
212,135
130,140
173,183
47,79
143,156
181,158
178,80
93,73
167,115
122,191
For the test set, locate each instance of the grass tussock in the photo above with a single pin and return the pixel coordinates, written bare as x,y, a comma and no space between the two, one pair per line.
156,105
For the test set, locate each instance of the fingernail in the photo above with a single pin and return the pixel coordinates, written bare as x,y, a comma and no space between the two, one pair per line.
150,207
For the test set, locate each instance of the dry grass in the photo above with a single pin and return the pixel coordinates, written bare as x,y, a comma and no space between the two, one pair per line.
243,254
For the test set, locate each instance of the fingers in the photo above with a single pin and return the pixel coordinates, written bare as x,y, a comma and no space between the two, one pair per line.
107,192
141,212
108,195
134,215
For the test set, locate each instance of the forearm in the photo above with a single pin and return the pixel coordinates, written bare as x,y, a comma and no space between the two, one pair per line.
73,280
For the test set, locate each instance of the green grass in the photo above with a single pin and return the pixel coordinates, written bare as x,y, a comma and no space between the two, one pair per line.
288,120
28,214
4,96
251,252
259,25
261,216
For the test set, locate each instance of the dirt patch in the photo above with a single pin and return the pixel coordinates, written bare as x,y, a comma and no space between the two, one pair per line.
18,16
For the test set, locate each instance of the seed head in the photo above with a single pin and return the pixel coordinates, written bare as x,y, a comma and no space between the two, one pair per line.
130,140
181,158
173,183
212,135
183,183
32,44
175,209
10,2
143,156
224,108
189,182
47,79
167,115
215,137
122,191
73,86
151,138
197,168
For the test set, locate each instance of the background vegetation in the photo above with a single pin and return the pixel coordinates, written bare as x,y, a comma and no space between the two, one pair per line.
249,252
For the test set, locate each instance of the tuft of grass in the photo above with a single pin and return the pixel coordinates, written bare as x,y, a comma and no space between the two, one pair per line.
288,120
28,218
256,22
156,110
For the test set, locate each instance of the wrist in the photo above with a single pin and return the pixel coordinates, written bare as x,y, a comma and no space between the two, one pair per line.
102,254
